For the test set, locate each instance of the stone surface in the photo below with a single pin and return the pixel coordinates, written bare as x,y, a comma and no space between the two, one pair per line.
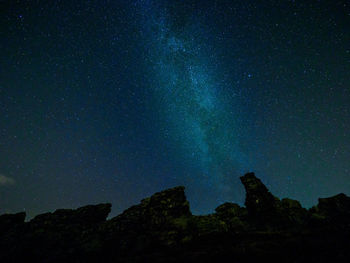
229,210
10,221
338,205
262,206
266,211
154,212
90,214
333,211
259,200
162,229
293,212
234,216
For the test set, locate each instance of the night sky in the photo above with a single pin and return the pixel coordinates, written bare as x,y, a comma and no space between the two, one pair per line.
111,101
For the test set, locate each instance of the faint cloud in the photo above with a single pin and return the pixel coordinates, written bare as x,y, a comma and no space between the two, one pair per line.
4,180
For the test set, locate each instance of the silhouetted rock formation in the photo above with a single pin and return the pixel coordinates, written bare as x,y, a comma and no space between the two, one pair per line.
162,229
267,211
332,212
10,221
335,206
152,223
83,216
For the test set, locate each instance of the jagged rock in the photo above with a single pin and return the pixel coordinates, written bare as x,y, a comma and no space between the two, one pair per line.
162,229
65,227
261,205
258,200
155,210
56,236
229,210
291,204
160,219
338,205
169,203
90,214
334,211
233,215
206,225
10,221
293,211
267,211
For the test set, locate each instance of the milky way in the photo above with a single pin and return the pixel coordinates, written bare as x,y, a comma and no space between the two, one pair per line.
111,101
191,95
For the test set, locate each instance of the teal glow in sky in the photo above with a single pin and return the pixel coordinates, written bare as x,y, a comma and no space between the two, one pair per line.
111,101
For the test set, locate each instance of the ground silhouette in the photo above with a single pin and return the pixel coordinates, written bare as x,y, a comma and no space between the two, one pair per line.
162,229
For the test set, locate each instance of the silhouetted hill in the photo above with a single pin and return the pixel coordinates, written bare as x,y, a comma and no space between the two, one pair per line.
162,229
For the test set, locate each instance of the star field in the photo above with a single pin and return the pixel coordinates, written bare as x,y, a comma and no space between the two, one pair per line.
111,101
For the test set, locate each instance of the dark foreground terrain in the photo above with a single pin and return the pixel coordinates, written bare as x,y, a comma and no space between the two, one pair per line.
162,229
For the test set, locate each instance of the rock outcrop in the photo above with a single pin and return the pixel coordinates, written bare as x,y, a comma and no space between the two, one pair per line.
162,229
156,210
261,205
53,237
11,221
234,216
266,210
83,216
157,221
332,213
335,206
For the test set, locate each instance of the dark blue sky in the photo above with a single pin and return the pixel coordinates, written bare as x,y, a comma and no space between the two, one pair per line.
111,101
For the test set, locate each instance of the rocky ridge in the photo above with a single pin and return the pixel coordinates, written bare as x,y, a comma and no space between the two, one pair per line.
162,229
